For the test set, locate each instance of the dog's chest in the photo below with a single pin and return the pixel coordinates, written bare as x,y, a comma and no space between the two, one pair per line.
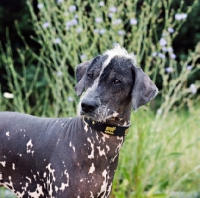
93,162
68,162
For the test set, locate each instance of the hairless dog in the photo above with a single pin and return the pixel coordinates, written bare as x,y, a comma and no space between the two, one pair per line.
76,157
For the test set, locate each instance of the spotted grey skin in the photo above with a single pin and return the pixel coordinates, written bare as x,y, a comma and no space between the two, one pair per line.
66,158
60,158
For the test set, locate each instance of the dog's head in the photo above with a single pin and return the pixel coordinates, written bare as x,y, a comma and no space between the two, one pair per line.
113,83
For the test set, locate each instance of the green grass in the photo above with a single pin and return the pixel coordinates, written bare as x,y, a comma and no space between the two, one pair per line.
4,193
159,157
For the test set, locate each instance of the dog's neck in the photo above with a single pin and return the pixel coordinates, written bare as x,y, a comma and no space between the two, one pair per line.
118,125
122,119
118,121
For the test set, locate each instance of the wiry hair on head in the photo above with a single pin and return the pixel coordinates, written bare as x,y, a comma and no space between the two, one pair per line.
120,51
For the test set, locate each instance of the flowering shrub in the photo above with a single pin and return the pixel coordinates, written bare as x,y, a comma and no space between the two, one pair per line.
70,32
78,31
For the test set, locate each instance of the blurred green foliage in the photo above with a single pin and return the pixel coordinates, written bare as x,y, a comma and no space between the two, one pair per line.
68,32
12,11
159,157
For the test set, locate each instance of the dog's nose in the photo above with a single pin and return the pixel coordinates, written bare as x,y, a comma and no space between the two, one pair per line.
88,105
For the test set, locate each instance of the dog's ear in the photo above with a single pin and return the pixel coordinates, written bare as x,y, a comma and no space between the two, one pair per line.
143,90
80,76
81,68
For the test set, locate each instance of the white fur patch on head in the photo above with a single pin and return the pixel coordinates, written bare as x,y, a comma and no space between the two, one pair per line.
118,51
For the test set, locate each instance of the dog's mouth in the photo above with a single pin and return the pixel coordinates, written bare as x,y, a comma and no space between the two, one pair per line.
96,111
99,116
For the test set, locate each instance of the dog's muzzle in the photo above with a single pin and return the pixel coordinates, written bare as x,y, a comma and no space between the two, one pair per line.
88,105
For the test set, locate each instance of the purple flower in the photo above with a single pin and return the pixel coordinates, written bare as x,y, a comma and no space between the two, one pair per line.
70,23
74,21
169,69
167,49
161,55
121,32
193,88
170,29
154,54
133,21
60,1
57,40
110,15
101,3
40,5
98,20
79,29
70,99
159,111
189,67
102,31
46,25
170,49
59,73
163,42
180,16
164,49
72,8
83,57
116,21
113,9
173,56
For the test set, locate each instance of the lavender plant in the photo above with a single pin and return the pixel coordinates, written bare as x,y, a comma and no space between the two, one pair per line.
70,32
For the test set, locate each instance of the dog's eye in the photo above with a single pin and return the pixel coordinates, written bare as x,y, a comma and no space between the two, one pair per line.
116,82
89,76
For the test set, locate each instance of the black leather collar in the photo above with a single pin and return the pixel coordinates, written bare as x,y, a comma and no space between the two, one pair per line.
107,128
